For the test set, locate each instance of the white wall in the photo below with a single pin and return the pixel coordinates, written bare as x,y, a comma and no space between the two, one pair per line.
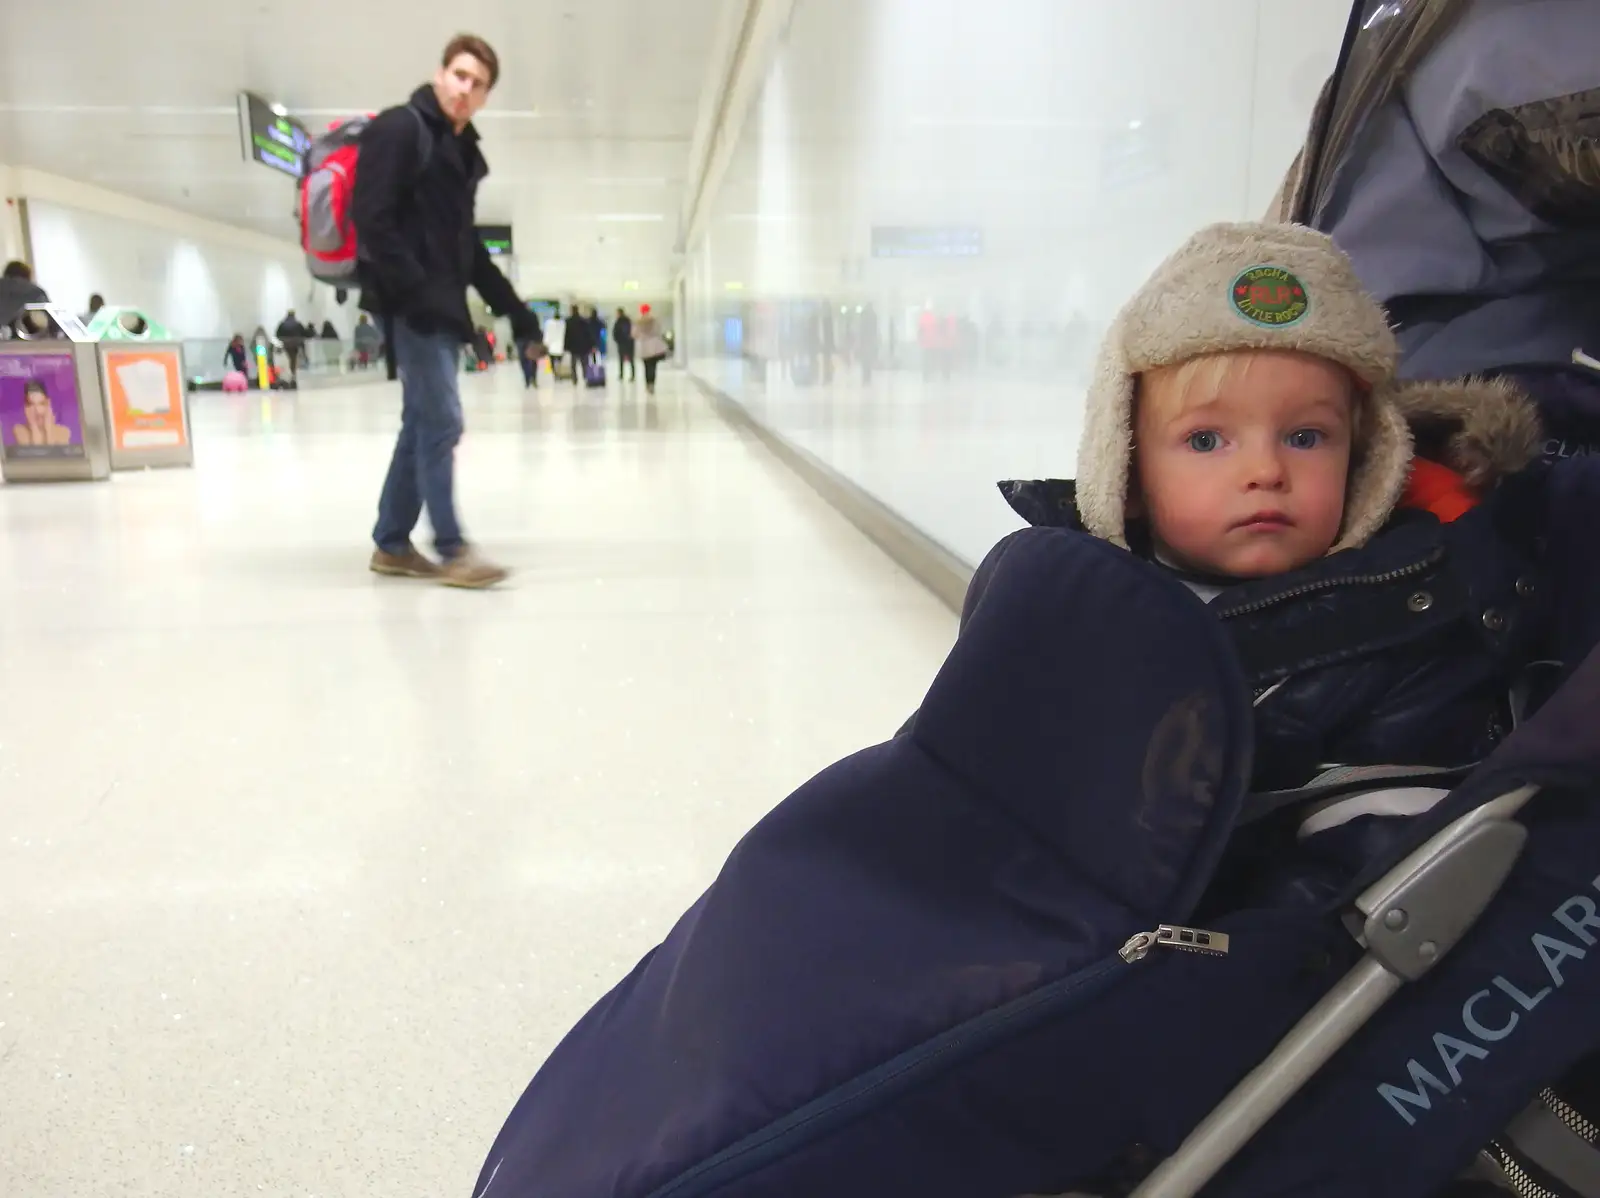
1084,141
200,278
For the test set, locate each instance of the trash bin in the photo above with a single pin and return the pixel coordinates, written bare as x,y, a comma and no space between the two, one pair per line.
52,414
126,324
142,379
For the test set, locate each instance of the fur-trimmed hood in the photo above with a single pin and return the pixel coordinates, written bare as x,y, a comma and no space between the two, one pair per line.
1483,429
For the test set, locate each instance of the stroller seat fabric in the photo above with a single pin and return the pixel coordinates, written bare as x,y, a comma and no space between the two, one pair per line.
934,969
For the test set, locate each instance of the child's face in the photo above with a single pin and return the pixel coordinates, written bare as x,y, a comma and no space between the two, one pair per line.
1245,477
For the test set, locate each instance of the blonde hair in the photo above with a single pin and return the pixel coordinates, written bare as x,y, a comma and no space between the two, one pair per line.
1202,379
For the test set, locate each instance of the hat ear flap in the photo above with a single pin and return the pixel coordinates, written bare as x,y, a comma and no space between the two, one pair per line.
1106,448
1379,471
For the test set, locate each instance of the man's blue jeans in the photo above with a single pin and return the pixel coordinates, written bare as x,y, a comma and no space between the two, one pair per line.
423,470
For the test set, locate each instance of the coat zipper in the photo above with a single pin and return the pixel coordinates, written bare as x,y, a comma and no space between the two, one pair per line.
1189,940
1326,584
762,1146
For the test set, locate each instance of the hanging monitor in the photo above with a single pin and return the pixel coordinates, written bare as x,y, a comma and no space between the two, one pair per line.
926,241
271,136
496,239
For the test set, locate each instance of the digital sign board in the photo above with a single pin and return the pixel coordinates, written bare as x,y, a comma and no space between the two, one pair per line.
902,241
271,137
496,239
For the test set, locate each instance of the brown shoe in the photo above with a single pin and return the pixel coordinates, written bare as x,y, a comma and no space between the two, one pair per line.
470,571
409,564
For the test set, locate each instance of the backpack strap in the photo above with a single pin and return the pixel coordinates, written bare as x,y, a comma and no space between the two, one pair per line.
425,144
424,139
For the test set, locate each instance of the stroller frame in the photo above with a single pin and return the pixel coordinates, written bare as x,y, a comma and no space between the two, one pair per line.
1410,919
1414,915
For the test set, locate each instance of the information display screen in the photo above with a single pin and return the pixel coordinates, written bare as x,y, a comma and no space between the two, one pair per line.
937,241
496,239
545,309
270,137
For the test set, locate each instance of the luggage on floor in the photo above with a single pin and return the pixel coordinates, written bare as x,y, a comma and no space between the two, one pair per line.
594,371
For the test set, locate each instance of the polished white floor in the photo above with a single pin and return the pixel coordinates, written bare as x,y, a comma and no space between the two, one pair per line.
303,871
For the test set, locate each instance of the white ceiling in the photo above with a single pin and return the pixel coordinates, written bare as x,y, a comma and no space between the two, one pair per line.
592,119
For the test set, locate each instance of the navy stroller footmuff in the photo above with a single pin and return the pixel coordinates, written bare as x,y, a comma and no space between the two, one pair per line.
832,1006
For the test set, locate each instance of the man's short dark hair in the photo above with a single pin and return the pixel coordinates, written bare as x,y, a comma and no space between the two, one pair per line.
17,269
471,43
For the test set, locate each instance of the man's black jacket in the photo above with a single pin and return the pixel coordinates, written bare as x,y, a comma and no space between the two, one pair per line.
415,190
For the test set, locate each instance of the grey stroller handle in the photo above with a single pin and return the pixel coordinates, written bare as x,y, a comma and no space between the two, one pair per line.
1412,917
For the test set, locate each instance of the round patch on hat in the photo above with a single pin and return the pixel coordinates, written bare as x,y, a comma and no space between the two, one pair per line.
1269,296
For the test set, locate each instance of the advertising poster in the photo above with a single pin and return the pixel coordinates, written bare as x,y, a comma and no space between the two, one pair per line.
39,406
146,393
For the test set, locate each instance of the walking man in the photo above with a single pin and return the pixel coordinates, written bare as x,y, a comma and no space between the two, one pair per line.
622,334
413,208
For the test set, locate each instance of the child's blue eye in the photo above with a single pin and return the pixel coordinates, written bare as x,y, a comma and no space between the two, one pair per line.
1204,441
1305,438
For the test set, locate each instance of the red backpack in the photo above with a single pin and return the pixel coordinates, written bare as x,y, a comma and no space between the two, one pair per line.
327,188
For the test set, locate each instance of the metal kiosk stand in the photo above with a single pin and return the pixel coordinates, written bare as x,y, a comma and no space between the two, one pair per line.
142,380
52,415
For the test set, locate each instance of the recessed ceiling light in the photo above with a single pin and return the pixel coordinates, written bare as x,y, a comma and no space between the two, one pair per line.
630,217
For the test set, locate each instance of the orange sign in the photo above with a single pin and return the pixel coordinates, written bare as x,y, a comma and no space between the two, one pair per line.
145,389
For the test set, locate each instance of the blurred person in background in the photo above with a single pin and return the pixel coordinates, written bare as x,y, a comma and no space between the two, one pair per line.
622,334
580,341
368,341
262,349
18,290
530,366
867,341
555,342
483,347
237,355
292,336
652,345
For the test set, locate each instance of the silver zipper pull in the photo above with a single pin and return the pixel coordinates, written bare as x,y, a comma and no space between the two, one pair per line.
1189,940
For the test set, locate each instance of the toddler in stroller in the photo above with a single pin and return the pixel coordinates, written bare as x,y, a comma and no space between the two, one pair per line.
945,966
1396,613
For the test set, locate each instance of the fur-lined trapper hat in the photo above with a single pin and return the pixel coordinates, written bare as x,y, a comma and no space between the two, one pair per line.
1247,287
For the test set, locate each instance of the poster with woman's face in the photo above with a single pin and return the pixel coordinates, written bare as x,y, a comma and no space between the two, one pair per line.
39,406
